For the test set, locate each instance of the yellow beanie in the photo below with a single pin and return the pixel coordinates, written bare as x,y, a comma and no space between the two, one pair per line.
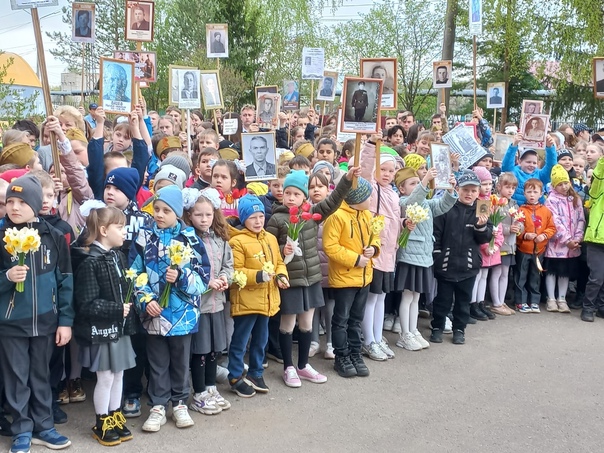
305,150
76,134
17,153
414,161
258,188
559,175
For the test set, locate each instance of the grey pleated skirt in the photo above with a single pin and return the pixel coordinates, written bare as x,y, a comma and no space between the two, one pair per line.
114,356
210,335
301,298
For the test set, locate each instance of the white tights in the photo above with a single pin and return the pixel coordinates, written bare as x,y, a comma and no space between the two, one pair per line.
373,321
550,285
480,285
107,391
408,311
498,284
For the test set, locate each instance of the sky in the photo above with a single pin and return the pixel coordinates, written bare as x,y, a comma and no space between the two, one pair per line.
17,36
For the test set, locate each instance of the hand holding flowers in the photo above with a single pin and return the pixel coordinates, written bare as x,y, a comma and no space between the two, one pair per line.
415,214
18,243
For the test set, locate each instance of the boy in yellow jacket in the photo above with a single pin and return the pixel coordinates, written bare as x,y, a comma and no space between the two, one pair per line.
346,242
254,298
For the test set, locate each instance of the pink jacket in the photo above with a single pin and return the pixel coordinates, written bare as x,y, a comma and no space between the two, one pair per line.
495,258
384,201
570,225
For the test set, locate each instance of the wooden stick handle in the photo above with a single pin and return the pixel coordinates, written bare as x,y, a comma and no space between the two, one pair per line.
356,159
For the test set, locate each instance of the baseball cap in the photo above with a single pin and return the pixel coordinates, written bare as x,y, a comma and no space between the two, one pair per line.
468,178
580,128
93,106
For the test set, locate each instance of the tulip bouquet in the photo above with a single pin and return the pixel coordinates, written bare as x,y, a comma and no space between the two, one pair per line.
240,279
415,213
180,255
298,216
497,215
19,243
134,282
376,226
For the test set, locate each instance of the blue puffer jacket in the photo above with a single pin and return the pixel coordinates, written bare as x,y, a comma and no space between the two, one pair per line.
182,313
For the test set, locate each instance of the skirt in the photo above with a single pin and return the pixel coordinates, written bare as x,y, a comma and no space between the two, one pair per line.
301,298
115,356
561,267
508,260
383,282
414,278
211,334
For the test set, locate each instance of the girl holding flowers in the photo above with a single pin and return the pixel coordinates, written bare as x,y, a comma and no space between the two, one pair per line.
299,301
104,320
202,212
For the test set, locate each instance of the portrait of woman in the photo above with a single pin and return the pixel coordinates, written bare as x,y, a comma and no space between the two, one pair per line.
534,129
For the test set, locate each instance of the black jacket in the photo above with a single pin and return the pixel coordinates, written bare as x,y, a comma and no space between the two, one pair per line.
457,242
99,296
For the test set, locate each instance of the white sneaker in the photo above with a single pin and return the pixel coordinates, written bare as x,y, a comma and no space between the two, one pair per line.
329,354
396,328
421,340
157,418
220,400
448,326
314,348
180,414
407,341
384,347
205,403
222,375
388,322
374,352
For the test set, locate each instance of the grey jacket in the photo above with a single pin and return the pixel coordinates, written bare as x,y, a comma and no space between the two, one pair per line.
220,255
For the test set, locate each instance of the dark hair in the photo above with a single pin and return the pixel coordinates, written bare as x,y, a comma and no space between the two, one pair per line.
234,172
413,133
320,176
327,141
27,126
299,161
198,114
394,129
348,146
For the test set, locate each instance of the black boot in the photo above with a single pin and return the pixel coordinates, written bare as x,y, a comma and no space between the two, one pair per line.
104,431
120,425
486,311
458,337
344,367
476,313
359,364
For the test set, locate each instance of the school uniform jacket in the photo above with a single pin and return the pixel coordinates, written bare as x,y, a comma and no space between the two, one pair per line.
220,257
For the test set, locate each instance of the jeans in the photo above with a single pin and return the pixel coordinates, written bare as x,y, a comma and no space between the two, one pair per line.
246,325
527,279
347,317
441,306
594,291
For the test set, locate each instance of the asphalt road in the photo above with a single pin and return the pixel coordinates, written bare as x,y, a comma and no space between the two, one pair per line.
526,383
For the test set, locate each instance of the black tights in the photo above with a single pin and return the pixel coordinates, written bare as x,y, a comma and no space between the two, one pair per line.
203,371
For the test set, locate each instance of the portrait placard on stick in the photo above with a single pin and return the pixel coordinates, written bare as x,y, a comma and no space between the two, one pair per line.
463,143
267,110
139,20
534,129
496,95
174,82
531,107
260,156
502,143
598,77
291,95
144,64
361,100
217,40
313,63
442,73
475,17
441,160
188,82
28,4
211,89
327,87
385,69
82,17
116,89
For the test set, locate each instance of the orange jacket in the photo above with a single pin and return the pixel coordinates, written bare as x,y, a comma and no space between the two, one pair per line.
538,219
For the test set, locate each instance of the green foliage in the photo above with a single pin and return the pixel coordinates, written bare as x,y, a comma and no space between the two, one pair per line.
14,104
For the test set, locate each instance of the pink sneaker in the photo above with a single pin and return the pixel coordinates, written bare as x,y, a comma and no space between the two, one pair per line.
308,373
290,377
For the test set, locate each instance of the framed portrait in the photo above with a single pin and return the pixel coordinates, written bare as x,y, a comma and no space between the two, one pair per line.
475,17
361,101
534,129
441,160
598,77
265,89
189,96
267,110
174,82
471,128
82,17
211,90
313,63
442,74
291,95
139,20
496,95
327,87
531,107
116,88
483,207
260,156
145,68
462,142
217,40
502,143
385,69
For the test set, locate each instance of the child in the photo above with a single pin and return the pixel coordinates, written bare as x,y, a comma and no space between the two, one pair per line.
275,195
203,213
224,179
204,167
327,170
104,321
457,237
300,162
538,229
563,250
327,151
498,283
169,329
345,240
304,272
414,273
30,329
254,301
593,152
490,256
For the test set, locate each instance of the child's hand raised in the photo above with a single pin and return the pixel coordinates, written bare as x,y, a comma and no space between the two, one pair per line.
518,138
430,175
153,309
353,171
53,125
453,183
482,220
549,141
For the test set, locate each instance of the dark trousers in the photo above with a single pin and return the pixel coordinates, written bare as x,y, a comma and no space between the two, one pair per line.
169,359
348,314
246,326
527,279
56,365
447,290
273,334
24,368
594,291
359,113
133,378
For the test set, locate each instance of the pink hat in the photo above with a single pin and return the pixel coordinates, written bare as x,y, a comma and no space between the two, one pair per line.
11,175
483,174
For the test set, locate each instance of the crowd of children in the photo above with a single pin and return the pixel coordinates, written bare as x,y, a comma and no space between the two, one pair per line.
179,270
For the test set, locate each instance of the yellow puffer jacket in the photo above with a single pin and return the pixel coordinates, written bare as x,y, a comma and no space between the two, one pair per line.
255,298
345,234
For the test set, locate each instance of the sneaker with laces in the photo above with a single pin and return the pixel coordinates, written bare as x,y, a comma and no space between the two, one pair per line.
396,328
374,352
220,400
551,305
180,415
242,388
64,396
383,344
51,438
308,373
448,326
421,340
535,308
76,392
21,444
407,341
291,378
563,306
329,354
204,403
523,308
258,384
344,367
500,310
314,348
132,407
359,364
388,323
157,418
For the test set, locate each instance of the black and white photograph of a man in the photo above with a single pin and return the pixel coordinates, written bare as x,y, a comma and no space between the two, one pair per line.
259,155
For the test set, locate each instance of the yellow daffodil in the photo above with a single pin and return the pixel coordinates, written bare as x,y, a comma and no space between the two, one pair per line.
141,280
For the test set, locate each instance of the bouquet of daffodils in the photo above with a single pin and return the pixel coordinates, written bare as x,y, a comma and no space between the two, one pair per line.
516,214
134,282
180,255
267,266
19,243
376,226
298,216
240,279
415,213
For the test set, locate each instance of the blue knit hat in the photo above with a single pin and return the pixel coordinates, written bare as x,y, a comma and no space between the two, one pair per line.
125,179
360,194
172,196
248,205
297,179
324,164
